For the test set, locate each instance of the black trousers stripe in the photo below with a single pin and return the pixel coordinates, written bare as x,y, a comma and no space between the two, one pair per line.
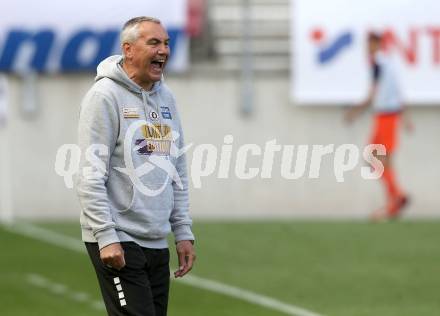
140,288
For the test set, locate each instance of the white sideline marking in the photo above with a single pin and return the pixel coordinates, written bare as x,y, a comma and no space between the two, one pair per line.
246,295
40,281
46,235
206,284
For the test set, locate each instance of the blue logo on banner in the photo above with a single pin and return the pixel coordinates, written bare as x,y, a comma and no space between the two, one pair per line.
332,49
43,43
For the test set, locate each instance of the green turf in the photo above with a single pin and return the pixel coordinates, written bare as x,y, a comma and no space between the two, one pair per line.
334,268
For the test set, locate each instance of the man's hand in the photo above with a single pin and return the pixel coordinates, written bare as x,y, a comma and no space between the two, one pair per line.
113,256
408,125
407,122
350,116
353,112
186,255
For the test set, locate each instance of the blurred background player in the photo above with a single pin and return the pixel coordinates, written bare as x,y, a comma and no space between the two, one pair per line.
385,97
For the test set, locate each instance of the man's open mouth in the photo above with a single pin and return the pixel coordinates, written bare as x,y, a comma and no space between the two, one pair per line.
158,64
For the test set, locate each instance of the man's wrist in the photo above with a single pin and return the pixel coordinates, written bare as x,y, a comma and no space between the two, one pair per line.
106,237
183,232
191,241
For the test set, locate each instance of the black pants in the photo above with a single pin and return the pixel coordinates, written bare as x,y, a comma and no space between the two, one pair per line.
141,287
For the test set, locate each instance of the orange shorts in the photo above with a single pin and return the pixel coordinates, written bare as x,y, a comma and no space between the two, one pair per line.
385,130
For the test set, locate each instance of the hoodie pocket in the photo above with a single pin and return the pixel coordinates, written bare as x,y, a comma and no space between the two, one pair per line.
147,217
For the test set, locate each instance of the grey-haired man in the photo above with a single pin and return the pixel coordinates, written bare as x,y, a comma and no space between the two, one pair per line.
129,118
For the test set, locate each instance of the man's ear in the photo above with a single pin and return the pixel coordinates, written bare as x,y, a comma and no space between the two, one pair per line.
126,48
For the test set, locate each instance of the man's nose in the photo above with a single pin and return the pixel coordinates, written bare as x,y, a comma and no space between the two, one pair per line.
163,49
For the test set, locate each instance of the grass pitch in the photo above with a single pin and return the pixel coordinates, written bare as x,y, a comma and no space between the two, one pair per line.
331,268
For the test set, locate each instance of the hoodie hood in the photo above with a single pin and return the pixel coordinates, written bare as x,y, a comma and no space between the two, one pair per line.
111,68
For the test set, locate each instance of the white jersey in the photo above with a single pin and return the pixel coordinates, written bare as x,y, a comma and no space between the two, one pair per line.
388,98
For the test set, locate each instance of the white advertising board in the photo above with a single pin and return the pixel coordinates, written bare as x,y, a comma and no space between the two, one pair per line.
65,36
329,54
